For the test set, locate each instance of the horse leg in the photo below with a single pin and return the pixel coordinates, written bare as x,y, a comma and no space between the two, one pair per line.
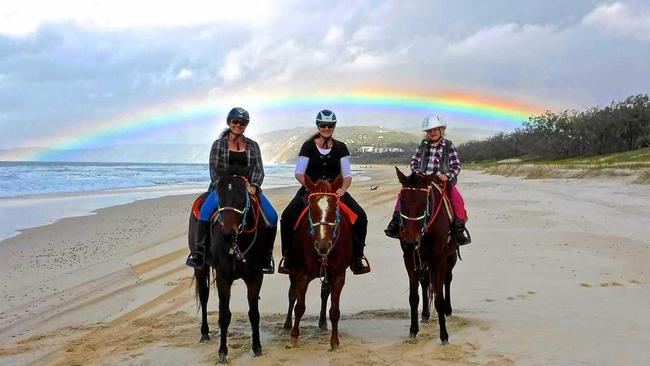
324,295
299,310
254,285
451,262
426,311
292,301
223,288
439,300
203,290
414,298
335,312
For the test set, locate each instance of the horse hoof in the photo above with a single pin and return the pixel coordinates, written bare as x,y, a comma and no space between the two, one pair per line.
222,359
323,328
445,342
287,326
424,320
205,339
257,352
293,343
334,346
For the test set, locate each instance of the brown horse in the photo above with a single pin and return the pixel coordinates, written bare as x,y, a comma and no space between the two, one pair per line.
238,240
322,249
430,252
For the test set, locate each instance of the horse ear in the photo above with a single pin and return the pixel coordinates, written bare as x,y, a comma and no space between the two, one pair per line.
309,184
338,182
400,176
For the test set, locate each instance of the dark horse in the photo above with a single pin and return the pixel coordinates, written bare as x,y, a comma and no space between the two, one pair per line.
430,253
322,248
238,238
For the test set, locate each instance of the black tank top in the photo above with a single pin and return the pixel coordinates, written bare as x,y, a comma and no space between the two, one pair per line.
325,167
237,158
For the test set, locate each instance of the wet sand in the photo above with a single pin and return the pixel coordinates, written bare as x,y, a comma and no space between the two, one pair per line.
557,274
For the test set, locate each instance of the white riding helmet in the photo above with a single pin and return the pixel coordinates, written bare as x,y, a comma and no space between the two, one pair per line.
433,121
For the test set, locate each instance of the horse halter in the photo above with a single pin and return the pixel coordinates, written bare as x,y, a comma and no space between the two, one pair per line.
427,213
313,225
242,211
242,225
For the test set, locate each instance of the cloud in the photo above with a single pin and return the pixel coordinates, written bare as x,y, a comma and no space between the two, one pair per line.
620,19
184,74
19,18
67,63
512,38
334,36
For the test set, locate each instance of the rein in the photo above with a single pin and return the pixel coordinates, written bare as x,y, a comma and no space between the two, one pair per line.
241,229
335,232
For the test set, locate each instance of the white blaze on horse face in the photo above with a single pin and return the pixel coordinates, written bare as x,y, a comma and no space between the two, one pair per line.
324,207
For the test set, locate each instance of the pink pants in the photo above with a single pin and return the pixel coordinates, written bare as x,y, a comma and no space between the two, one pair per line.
457,203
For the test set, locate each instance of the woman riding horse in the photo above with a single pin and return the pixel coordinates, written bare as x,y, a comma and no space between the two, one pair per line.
324,158
232,148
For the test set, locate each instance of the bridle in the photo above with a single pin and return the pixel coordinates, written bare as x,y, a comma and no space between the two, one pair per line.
335,231
241,229
427,217
313,225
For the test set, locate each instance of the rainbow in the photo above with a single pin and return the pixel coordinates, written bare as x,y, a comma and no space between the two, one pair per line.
472,109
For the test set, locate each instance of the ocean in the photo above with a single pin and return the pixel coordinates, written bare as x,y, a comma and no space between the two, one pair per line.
38,193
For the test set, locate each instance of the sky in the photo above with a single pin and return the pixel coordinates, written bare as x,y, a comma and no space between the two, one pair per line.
79,73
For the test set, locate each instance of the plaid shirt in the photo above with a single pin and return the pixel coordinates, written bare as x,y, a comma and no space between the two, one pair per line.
422,161
219,155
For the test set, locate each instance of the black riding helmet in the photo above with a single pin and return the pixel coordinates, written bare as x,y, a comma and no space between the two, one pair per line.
238,113
325,116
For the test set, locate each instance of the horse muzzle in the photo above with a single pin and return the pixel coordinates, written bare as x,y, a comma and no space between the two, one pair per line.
323,248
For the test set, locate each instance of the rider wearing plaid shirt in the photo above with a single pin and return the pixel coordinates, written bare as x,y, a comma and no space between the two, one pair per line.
435,150
247,154
220,155
437,155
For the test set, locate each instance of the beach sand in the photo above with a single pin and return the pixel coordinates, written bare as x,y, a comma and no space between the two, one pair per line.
557,274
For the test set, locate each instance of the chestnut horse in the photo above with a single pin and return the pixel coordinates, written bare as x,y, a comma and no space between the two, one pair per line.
238,238
322,248
430,252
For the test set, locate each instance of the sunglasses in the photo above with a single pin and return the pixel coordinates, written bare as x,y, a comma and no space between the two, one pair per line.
239,122
327,125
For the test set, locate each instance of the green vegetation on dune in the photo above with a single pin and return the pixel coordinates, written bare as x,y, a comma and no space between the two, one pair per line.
599,136
635,159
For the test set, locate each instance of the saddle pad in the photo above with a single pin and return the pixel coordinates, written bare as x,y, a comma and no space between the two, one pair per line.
196,207
347,211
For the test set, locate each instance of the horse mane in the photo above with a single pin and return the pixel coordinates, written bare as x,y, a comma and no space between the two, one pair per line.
243,171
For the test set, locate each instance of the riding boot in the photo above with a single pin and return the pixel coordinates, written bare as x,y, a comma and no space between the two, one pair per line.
196,259
358,266
392,231
269,263
461,233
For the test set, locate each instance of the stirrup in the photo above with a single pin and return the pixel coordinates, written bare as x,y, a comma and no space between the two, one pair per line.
281,268
193,262
364,269
461,234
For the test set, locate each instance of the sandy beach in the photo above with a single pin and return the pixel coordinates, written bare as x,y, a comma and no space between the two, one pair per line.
557,274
